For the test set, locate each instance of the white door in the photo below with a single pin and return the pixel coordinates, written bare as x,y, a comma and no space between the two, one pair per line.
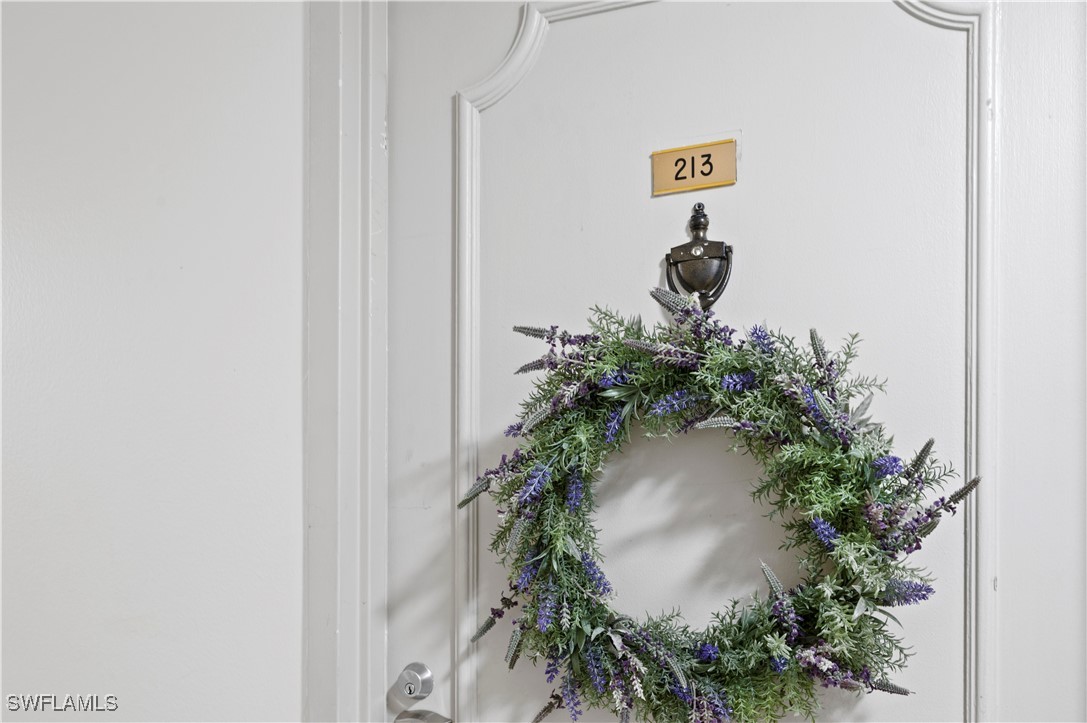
525,197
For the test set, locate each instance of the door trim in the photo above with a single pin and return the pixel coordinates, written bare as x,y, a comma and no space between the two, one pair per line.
465,523
345,367
980,652
979,21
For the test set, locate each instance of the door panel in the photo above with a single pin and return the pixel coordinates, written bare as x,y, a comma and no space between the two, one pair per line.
850,214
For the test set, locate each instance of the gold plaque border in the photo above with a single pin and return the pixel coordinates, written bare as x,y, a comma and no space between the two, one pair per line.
692,147
716,184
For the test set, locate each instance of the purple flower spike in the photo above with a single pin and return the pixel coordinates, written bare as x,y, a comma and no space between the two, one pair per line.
668,354
615,378
785,613
596,670
614,425
575,490
716,705
779,664
708,653
570,697
567,339
674,403
887,467
535,482
552,668
528,572
740,382
514,430
825,532
545,615
682,693
906,592
761,339
596,575
813,408
818,665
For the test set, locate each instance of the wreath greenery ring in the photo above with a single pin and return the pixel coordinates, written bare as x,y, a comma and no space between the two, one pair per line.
853,510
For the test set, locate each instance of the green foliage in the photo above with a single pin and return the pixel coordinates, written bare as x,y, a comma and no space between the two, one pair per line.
852,511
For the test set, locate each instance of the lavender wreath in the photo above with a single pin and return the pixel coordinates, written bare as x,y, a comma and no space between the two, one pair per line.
852,509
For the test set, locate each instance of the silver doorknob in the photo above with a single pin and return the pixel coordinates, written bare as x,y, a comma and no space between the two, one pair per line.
415,682
426,716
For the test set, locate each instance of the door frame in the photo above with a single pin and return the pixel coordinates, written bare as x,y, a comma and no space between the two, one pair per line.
345,367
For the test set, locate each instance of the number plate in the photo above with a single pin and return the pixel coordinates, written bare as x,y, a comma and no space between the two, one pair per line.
690,168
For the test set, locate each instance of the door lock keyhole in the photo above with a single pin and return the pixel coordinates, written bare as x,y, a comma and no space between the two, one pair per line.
414,683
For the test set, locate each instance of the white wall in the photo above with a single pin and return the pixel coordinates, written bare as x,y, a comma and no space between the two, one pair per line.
152,386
